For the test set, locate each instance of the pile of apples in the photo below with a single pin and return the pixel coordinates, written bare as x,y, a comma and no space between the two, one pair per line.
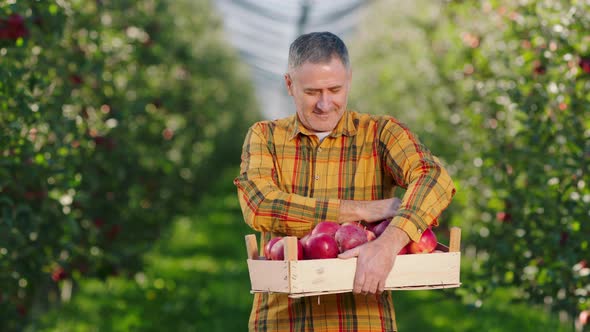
328,239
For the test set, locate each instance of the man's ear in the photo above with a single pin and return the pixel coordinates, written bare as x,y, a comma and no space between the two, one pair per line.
289,84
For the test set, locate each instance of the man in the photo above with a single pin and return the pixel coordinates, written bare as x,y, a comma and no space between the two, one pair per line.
329,163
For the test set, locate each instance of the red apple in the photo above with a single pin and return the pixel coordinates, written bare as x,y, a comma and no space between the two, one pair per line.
277,251
326,227
303,240
269,245
13,28
59,274
354,223
380,227
112,233
403,251
350,236
371,225
320,246
426,244
503,216
22,310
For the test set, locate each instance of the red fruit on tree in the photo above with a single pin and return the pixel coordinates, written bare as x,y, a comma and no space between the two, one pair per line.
113,232
76,79
107,143
540,69
563,238
22,310
98,222
320,246
13,27
59,274
585,64
503,216
426,244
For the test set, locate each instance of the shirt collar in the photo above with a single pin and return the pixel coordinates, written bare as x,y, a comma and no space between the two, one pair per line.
346,126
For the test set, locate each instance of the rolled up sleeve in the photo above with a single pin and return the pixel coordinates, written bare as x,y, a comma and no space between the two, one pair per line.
429,188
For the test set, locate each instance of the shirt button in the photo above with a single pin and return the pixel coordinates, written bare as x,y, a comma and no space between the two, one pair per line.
319,149
317,177
419,231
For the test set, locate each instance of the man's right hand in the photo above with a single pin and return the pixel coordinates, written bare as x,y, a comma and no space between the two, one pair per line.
375,260
369,211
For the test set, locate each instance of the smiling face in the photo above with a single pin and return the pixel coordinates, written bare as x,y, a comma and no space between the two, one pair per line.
320,93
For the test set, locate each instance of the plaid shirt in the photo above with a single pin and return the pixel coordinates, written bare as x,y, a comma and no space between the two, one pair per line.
290,181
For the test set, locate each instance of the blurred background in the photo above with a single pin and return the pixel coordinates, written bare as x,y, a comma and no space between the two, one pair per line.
121,126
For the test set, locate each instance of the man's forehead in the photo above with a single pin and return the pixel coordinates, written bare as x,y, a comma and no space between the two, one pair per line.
308,69
333,61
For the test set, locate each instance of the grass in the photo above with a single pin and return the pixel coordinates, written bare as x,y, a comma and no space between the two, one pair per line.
196,279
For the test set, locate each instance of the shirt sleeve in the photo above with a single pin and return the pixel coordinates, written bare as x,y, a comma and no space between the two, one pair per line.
429,188
265,207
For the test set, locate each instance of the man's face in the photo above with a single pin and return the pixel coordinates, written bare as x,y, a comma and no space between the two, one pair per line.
320,92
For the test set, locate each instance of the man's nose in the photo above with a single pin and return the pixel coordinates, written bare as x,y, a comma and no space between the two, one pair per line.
325,102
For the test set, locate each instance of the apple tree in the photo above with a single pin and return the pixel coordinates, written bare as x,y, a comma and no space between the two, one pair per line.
115,116
500,90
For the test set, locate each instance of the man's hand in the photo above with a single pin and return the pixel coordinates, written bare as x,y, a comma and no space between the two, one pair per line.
369,211
375,260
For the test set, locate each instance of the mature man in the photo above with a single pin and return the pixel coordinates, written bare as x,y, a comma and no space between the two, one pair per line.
329,163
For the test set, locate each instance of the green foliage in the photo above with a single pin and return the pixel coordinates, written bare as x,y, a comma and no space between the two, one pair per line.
440,311
500,91
114,115
195,279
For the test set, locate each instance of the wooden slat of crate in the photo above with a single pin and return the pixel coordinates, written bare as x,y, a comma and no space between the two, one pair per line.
269,276
409,270
297,295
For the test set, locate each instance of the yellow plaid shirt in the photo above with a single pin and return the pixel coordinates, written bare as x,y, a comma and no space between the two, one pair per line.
289,181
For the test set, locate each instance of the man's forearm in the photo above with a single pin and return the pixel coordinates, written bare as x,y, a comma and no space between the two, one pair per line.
396,236
367,210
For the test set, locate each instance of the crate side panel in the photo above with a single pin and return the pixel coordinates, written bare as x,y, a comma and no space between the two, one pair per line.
322,275
425,269
269,276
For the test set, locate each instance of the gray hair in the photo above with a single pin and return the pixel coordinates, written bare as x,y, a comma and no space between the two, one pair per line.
317,47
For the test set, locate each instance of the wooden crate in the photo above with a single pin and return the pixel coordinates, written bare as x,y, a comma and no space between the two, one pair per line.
300,278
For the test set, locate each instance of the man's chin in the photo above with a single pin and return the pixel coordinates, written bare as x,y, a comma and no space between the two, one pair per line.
323,129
